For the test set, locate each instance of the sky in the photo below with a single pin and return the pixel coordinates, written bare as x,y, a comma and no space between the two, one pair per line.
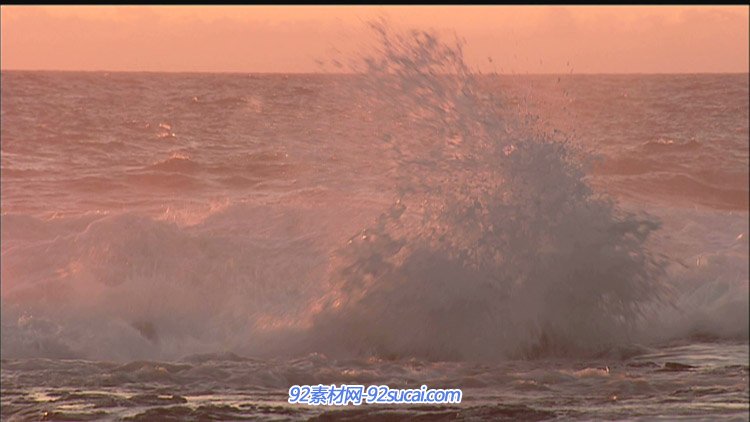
297,39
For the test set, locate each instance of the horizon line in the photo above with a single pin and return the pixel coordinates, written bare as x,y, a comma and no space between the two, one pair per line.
233,72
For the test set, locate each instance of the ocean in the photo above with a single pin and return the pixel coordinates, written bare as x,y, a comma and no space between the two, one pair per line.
182,246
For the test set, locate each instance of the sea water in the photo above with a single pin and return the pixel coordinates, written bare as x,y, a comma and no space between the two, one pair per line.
189,246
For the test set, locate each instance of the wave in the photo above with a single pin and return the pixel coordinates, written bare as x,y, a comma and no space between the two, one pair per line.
686,188
665,145
178,163
495,247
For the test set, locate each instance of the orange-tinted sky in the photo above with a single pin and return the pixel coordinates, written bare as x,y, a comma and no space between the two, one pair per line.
520,39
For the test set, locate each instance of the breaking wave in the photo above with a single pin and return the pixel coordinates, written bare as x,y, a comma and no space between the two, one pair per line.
496,246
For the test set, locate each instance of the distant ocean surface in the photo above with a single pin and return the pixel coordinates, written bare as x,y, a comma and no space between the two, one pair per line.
188,246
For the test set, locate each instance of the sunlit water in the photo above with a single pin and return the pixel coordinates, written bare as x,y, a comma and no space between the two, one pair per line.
190,245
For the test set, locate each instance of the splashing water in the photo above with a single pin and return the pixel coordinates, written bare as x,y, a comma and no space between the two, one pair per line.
496,246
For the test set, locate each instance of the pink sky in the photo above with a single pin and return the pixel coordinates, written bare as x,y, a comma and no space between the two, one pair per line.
520,39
